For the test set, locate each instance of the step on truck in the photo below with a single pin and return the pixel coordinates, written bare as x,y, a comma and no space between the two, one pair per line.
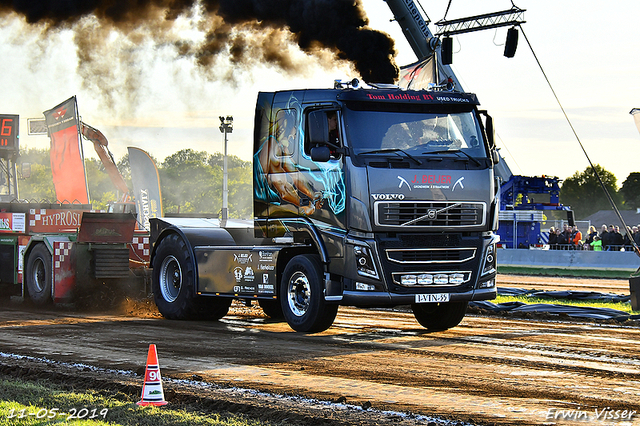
368,197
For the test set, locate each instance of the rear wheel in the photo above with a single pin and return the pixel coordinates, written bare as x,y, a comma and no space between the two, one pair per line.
302,295
439,316
39,275
173,284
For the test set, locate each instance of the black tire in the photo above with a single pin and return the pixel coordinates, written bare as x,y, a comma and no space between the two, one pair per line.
302,295
439,316
39,275
271,308
173,284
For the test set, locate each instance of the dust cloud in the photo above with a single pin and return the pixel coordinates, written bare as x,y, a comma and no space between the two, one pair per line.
221,39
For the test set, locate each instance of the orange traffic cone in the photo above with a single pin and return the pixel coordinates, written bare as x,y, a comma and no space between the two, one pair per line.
152,393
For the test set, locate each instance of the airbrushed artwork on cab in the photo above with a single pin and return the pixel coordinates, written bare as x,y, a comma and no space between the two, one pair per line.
285,176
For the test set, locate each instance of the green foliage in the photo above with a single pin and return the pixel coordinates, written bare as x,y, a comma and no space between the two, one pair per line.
101,189
188,183
585,195
192,183
34,156
125,169
38,187
630,191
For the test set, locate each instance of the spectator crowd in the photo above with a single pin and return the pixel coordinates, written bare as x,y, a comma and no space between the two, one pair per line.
608,239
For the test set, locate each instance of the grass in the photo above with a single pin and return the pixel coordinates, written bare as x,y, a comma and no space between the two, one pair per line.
30,404
624,307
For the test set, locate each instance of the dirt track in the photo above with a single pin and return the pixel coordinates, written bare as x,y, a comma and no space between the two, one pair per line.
602,285
488,370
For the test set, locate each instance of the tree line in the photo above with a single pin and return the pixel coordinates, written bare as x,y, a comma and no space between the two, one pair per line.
583,192
190,182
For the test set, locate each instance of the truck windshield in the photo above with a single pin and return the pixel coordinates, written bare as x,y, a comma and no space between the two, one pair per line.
417,133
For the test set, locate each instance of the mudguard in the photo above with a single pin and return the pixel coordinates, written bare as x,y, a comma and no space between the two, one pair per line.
195,232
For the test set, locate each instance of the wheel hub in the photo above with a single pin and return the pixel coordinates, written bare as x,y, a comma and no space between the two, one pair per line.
170,278
299,294
39,275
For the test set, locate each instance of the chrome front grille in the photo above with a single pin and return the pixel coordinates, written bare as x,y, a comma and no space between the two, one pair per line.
430,255
429,214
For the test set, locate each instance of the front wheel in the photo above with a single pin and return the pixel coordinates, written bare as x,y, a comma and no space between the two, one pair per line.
39,275
302,295
439,316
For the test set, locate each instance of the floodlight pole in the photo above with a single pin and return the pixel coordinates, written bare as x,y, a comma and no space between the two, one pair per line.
226,127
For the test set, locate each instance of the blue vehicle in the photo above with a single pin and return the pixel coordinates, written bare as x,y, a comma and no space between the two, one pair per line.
523,203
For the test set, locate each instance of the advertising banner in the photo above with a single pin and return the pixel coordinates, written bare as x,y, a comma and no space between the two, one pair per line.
146,186
54,220
12,222
67,162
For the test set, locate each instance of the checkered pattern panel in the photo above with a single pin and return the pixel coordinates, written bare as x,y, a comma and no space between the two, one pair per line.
60,253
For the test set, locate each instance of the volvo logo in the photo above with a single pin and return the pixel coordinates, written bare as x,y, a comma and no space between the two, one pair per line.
432,214
388,197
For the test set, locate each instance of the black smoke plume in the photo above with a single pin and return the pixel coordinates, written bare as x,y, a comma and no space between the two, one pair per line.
249,31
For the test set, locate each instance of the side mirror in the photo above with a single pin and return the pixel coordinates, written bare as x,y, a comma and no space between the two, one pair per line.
488,127
320,154
490,131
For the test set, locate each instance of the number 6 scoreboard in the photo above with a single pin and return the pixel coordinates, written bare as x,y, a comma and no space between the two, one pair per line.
9,126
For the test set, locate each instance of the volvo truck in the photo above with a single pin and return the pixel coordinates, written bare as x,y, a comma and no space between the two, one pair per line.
368,196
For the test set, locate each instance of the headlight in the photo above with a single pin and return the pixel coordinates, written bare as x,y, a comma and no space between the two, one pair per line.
364,261
489,259
365,287
425,279
487,284
408,280
419,280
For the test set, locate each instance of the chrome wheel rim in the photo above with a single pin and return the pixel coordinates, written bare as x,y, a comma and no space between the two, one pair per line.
299,294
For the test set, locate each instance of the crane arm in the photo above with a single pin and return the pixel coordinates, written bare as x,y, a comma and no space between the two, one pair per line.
422,41
100,145
414,27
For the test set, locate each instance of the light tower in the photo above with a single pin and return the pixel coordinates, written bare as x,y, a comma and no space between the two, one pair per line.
226,127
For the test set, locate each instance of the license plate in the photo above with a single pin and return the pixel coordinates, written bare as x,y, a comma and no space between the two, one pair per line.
432,298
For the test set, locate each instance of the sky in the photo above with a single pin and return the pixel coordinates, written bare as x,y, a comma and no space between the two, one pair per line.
140,94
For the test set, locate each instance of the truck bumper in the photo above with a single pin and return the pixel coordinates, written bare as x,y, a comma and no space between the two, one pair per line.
372,299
